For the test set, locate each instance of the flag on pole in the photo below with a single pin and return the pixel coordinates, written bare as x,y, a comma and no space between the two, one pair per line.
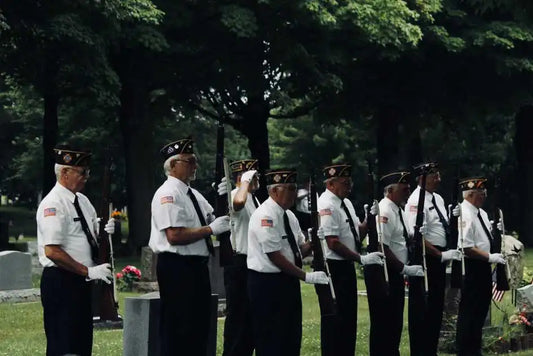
497,295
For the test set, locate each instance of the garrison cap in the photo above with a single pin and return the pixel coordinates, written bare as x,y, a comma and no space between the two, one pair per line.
337,170
428,167
185,145
395,178
472,183
70,156
280,176
243,165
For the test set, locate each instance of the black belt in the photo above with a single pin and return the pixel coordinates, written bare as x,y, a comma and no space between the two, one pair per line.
189,258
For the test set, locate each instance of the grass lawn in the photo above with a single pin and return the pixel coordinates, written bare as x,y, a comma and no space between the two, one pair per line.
21,326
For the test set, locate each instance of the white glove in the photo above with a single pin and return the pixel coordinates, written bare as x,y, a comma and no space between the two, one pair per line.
497,258
316,278
374,208
110,226
222,187
248,176
457,210
423,229
220,225
319,233
499,226
413,271
451,255
373,258
102,272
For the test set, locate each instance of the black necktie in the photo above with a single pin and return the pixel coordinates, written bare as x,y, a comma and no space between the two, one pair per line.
87,231
405,235
441,217
292,241
352,226
256,204
207,239
489,235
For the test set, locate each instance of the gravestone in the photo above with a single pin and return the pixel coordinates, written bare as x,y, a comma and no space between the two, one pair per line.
141,326
15,270
524,297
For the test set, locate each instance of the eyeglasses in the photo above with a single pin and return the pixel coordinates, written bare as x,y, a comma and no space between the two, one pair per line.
82,172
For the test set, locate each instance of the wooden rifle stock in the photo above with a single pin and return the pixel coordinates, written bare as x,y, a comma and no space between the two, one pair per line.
107,293
502,283
221,202
456,278
325,293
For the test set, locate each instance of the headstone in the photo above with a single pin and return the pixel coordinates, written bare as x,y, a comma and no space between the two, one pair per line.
148,265
524,297
15,270
141,326
36,267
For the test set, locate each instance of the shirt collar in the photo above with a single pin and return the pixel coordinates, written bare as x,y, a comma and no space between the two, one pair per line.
275,206
332,197
176,182
470,206
65,192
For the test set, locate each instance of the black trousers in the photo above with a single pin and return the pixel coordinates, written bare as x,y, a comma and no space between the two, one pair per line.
425,320
68,320
473,307
386,313
338,337
276,306
185,293
238,335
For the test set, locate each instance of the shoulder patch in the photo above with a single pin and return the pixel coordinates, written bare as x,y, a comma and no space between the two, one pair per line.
267,222
384,219
413,208
167,199
325,212
49,212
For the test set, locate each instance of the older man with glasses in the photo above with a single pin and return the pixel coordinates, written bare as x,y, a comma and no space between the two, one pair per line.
181,228
67,228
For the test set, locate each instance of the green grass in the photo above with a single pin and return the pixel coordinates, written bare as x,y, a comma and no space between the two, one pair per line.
22,333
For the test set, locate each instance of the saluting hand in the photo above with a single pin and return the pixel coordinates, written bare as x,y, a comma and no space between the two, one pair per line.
248,176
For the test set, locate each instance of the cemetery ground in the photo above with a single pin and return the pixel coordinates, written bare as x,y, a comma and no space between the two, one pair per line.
22,333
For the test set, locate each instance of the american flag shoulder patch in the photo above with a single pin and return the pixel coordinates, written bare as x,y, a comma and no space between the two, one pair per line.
267,222
49,212
384,219
167,199
413,208
325,212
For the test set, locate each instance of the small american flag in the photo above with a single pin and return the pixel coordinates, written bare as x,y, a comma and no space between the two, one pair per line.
267,222
167,199
49,212
497,295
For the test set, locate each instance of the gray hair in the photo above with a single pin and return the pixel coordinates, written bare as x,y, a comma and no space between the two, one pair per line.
387,189
166,165
58,168
467,193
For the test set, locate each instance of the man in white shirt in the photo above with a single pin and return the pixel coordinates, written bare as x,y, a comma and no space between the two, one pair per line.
275,251
67,229
425,320
477,287
386,311
342,230
182,225
238,336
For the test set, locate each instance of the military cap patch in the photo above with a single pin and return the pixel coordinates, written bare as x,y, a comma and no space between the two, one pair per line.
244,165
69,156
429,168
184,145
280,176
337,170
473,183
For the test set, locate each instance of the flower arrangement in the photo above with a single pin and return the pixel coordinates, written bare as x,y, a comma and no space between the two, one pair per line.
126,278
118,215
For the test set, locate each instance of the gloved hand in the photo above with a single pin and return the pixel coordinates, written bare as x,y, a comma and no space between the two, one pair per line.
423,229
316,278
451,255
220,225
373,258
457,210
497,258
222,187
319,233
101,272
110,226
248,176
499,226
413,271
374,209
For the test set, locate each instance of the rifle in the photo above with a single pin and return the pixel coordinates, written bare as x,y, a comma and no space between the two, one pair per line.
458,267
375,238
502,283
107,293
326,295
222,204
419,249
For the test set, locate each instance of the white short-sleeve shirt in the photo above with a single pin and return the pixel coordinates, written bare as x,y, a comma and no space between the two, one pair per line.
392,229
58,223
239,223
436,234
472,230
172,207
334,221
266,233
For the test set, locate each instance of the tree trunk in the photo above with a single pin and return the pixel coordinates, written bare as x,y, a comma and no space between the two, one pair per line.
137,132
524,159
50,130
